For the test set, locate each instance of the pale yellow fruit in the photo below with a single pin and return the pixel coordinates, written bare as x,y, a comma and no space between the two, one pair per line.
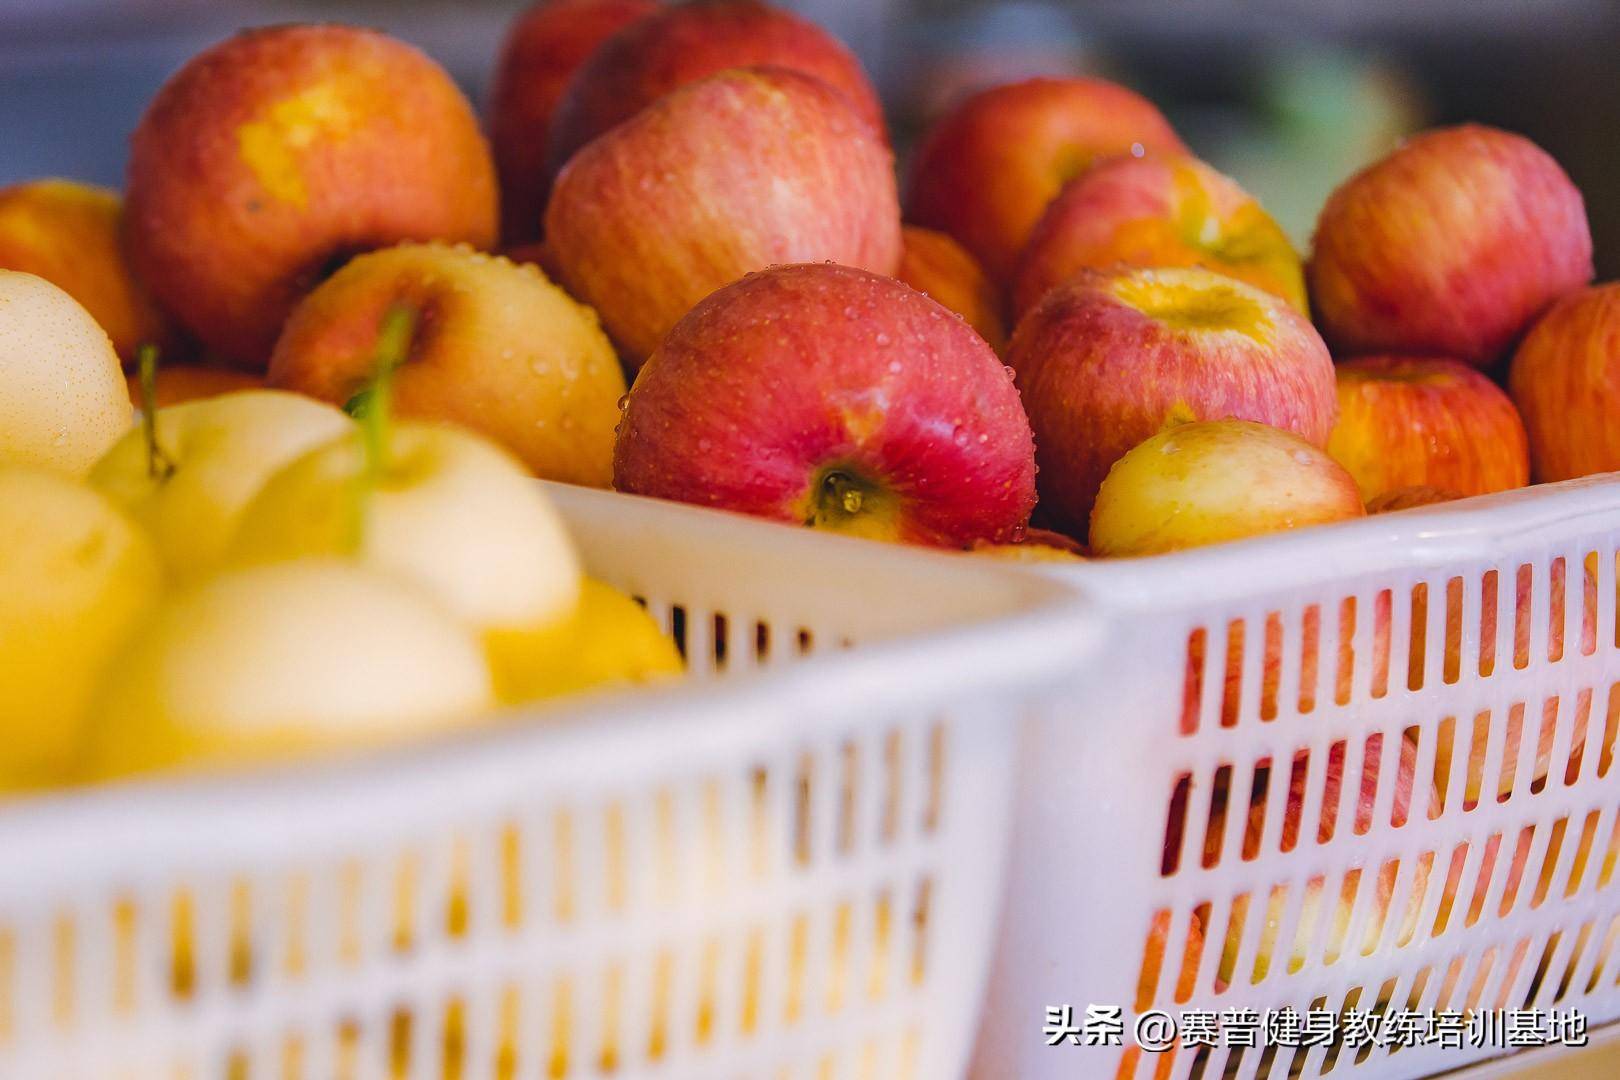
283,661
223,449
75,575
609,640
62,393
1213,481
451,511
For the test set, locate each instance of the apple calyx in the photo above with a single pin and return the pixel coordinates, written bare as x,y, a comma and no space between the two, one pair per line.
842,500
159,465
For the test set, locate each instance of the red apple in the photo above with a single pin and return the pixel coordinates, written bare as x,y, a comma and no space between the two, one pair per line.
686,42
1450,246
933,263
1212,481
543,49
1157,210
270,159
727,175
1565,380
988,169
192,382
837,398
1407,422
1106,359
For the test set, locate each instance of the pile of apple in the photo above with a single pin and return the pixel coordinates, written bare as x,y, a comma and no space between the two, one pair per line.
678,266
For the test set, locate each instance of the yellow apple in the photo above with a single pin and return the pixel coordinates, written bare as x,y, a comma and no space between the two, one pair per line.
75,576
62,394
281,661
446,509
608,640
218,453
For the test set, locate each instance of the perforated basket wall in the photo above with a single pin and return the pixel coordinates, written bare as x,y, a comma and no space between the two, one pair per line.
783,874
1366,767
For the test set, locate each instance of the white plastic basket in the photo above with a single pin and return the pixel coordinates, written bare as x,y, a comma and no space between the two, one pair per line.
1100,778
784,874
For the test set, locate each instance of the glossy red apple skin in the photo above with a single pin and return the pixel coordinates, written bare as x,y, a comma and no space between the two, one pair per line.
271,158
988,169
743,170
1157,210
798,371
685,42
1416,422
1450,246
933,263
1565,379
543,49
1099,375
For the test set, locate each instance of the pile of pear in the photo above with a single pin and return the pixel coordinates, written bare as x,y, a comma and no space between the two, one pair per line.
258,576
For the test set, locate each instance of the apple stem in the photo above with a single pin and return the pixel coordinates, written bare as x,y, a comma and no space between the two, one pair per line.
159,465
393,343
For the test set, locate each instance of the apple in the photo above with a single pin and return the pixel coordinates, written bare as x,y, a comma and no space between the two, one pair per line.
498,348
682,43
68,234
1409,498
1213,481
282,661
210,459
1034,546
934,264
836,398
734,173
1157,210
1565,379
272,158
62,394
1450,246
1105,360
1414,422
608,640
432,504
77,575
543,49
989,168
176,383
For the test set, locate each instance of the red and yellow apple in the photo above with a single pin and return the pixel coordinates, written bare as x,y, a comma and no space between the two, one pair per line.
68,234
1105,360
1409,498
1450,246
1034,546
731,174
498,349
1412,422
1157,210
272,158
682,43
836,398
543,49
933,263
1212,481
191,382
1565,379
990,167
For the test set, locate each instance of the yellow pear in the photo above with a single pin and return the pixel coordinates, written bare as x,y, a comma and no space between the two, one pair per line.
445,508
213,456
62,393
608,640
75,575
280,661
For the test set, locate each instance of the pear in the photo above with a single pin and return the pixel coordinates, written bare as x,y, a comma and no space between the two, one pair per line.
282,661
75,576
62,393
443,507
188,478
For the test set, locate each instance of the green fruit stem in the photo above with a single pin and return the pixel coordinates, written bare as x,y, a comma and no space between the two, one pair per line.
159,465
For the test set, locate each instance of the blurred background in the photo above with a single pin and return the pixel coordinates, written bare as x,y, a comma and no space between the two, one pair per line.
1289,96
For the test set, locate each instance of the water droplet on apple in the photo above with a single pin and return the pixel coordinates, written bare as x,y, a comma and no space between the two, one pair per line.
882,339
983,438
704,445
1007,370
851,311
895,367
646,182
959,436
1137,149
